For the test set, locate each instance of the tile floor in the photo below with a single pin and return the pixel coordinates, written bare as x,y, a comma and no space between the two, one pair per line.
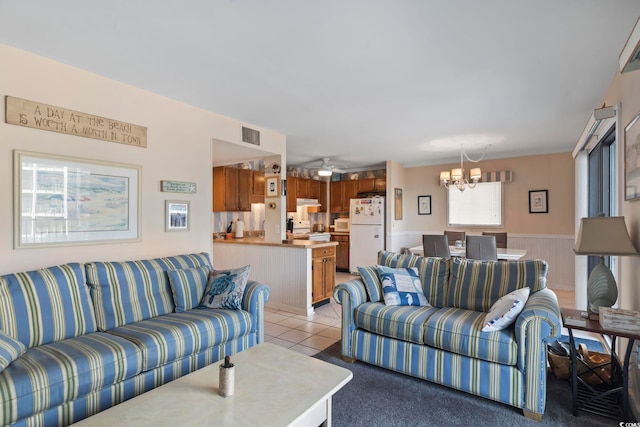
305,334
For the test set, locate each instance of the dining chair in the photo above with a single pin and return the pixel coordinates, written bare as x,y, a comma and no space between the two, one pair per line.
435,245
452,236
501,238
482,248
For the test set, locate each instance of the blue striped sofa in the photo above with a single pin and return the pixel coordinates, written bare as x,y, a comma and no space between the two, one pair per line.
76,339
444,343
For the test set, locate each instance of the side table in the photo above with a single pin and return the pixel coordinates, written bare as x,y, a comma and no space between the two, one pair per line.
610,400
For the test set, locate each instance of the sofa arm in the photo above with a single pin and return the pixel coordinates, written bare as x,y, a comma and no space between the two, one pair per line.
350,295
255,297
537,325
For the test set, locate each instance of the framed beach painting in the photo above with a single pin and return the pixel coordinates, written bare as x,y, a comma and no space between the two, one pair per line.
632,160
71,201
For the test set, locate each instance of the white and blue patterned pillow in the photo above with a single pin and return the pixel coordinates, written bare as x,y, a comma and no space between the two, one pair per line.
10,350
226,288
188,286
402,286
504,311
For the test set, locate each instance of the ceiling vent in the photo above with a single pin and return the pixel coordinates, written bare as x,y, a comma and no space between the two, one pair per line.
251,136
630,56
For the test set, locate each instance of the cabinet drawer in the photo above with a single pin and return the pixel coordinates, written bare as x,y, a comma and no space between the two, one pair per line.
320,252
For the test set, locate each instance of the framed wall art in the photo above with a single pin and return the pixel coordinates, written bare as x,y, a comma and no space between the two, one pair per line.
538,201
424,205
70,201
272,186
398,203
632,160
176,215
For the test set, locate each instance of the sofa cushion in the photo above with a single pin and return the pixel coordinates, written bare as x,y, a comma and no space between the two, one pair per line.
174,336
406,323
460,331
476,285
49,375
401,286
371,280
433,272
225,288
47,305
504,312
130,291
188,286
10,350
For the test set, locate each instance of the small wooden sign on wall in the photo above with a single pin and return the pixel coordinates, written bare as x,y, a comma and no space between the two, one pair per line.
178,187
36,115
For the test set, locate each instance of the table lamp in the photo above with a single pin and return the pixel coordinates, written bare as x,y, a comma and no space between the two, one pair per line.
603,236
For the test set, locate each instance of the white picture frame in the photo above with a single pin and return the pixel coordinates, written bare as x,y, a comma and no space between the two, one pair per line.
177,215
61,200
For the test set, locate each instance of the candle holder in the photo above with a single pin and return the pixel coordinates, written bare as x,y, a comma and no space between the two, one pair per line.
226,378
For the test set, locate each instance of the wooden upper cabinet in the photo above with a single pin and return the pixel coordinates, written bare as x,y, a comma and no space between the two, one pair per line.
235,189
322,196
302,186
381,184
258,187
313,189
245,188
372,184
336,196
292,193
350,192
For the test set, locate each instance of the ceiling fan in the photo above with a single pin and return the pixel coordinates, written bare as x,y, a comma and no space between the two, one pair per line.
326,169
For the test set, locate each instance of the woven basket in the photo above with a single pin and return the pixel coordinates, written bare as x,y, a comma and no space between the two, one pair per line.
561,366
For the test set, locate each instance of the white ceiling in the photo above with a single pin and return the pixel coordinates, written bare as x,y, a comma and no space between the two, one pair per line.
359,81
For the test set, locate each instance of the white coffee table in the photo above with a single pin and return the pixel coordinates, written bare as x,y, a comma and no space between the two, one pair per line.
273,387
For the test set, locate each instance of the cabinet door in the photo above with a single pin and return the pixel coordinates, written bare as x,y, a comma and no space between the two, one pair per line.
258,187
230,189
366,185
292,191
317,279
381,184
329,276
245,182
342,251
303,188
336,195
313,189
350,192
322,196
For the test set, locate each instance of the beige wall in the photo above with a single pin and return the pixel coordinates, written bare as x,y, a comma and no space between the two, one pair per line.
553,172
179,148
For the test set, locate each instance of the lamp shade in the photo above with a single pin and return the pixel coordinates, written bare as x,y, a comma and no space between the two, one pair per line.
456,174
604,235
445,176
476,174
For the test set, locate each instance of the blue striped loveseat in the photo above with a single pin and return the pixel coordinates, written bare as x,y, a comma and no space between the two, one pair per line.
444,343
76,339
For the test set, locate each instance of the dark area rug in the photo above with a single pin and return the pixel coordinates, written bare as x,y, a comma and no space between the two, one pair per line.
379,397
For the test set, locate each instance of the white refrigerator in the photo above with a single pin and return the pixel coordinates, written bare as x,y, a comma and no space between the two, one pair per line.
366,236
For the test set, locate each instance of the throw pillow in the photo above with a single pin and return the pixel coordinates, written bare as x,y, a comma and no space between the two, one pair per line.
371,282
225,288
504,311
402,286
10,350
188,286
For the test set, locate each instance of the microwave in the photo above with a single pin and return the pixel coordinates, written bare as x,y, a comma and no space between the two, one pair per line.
341,224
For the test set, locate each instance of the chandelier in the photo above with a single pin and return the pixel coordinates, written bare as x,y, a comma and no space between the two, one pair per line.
456,176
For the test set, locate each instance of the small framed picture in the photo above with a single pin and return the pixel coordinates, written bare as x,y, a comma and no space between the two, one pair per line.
424,205
538,201
273,186
176,215
398,203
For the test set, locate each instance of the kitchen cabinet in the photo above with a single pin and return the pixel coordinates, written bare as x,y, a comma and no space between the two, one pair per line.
367,185
302,188
341,194
323,269
257,187
322,196
234,191
292,193
342,251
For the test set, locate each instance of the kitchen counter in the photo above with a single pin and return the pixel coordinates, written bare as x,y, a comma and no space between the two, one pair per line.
293,243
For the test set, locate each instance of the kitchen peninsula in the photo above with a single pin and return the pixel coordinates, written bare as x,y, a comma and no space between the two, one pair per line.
299,273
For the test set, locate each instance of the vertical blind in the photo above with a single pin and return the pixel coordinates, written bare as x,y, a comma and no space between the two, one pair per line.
479,206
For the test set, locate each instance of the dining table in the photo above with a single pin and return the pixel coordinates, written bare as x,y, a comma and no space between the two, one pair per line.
510,254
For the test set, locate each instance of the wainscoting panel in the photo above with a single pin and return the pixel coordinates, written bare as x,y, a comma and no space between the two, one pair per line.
285,270
557,250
